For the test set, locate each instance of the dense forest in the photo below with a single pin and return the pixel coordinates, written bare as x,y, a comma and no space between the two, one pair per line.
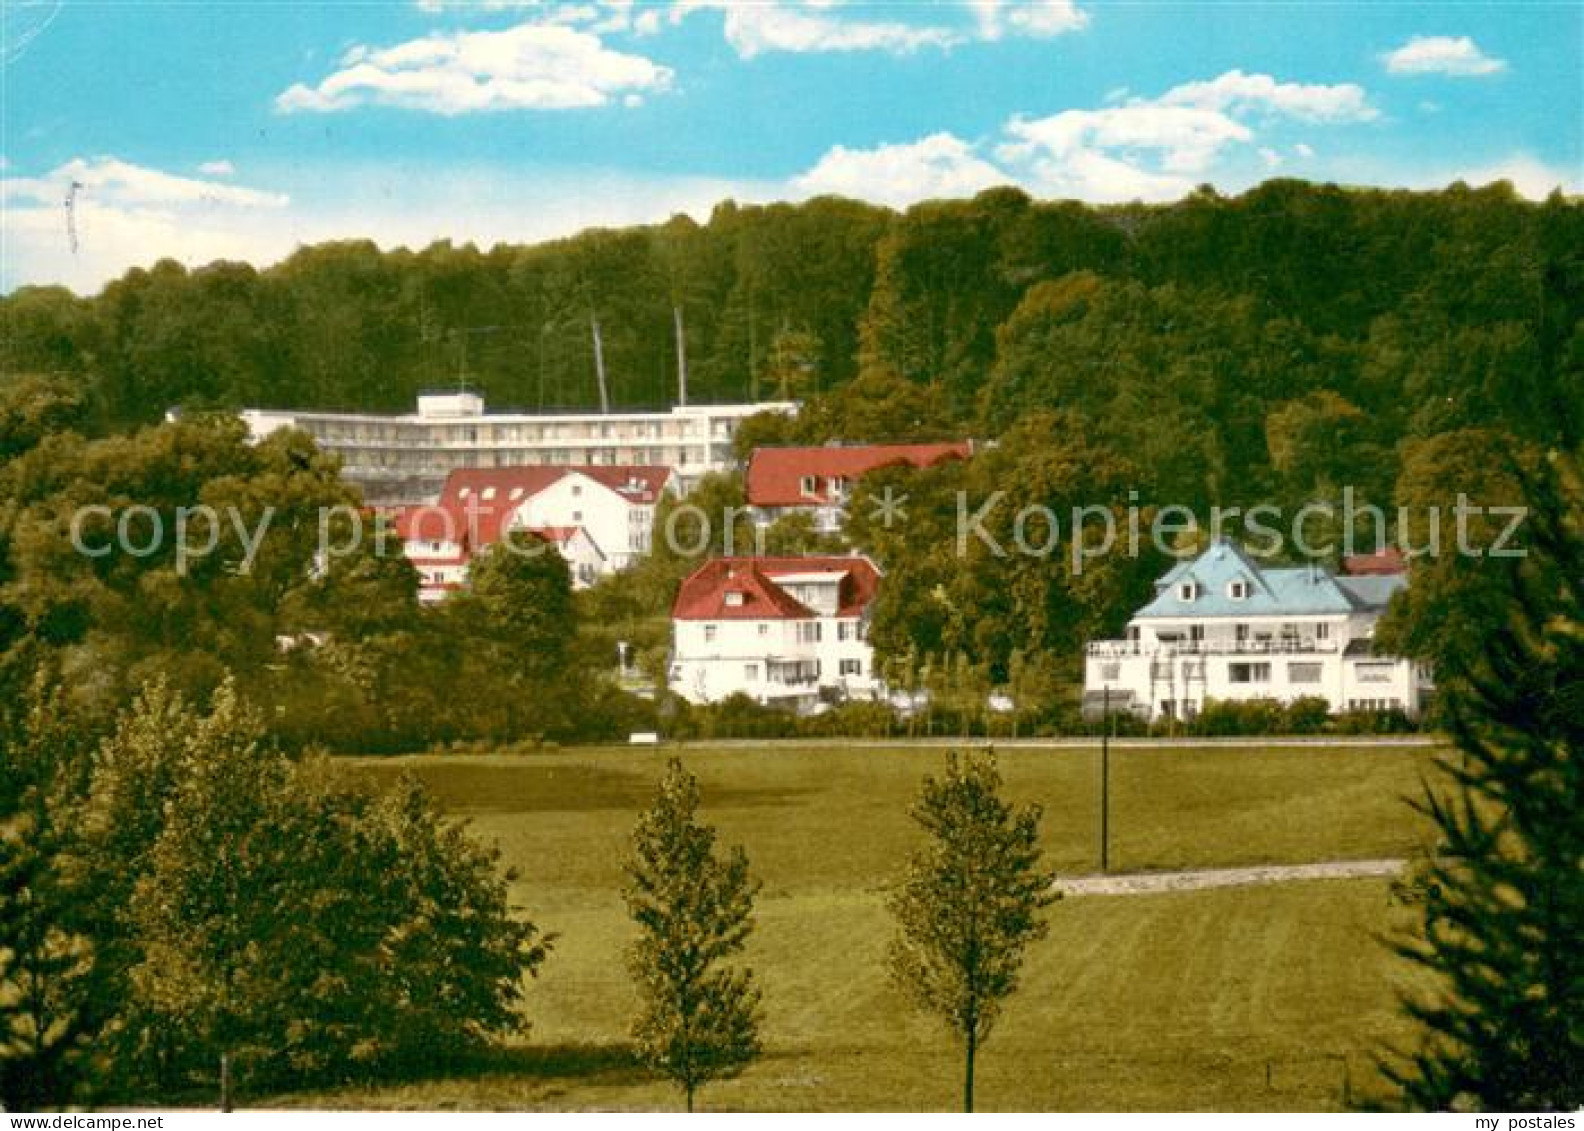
1277,347
1179,327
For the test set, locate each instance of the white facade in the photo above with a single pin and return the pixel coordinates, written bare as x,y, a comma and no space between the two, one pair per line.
1223,628
806,646
443,564
618,524
405,459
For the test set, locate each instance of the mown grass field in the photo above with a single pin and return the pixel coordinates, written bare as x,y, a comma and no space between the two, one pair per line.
1243,998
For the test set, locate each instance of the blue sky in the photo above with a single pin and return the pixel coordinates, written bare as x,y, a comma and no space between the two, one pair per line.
239,130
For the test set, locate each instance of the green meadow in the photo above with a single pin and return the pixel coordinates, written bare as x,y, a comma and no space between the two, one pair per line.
1269,997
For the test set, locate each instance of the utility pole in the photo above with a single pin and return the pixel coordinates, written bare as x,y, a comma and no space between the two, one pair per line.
599,361
681,352
1105,780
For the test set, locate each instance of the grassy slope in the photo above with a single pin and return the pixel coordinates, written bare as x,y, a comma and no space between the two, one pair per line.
1171,1001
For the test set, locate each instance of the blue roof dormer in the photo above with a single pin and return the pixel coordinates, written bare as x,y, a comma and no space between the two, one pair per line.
1225,582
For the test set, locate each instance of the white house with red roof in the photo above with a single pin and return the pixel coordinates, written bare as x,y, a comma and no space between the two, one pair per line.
818,480
600,519
790,631
441,547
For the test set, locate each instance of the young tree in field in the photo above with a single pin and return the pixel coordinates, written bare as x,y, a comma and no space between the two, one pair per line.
694,909
970,903
1502,900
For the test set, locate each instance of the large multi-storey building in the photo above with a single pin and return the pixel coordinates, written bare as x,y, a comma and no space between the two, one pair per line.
405,459
1223,627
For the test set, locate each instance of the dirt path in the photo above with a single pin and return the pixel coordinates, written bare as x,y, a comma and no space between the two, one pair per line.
1145,883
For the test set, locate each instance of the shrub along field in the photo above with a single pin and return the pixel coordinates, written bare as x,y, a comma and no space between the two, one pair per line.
1262,997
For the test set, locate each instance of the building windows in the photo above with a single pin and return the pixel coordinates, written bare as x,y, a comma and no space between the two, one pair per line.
1303,673
1196,633
808,632
577,490
1373,673
852,667
751,673
1374,705
1187,591
1237,589
709,634
489,494
1248,673
846,630
734,600
1322,631
1110,672
1241,633
764,629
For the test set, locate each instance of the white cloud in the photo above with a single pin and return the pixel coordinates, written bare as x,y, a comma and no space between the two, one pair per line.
940,165
767,26
531,66
110,182
759,27
1184,139
133,216
125,214
1532,177
1149,149
1237,93
1037,19
1455,56
217,169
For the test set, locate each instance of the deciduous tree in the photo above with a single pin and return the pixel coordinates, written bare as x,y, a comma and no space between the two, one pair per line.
970,903
699,1020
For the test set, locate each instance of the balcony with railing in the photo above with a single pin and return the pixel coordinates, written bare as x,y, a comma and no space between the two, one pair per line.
1254,646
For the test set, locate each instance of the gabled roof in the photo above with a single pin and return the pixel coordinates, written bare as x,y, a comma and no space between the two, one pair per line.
483,500
1388,561
775,475
757,585
1272,591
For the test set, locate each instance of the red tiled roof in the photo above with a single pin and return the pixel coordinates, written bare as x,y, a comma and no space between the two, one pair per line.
1388,562
481,519
702,596
775,475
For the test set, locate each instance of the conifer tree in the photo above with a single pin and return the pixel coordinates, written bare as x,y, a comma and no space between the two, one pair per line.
1502,900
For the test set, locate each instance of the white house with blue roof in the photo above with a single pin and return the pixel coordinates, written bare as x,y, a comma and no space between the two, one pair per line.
1224,627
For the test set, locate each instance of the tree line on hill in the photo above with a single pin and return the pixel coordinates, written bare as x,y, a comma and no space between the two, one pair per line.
1276,347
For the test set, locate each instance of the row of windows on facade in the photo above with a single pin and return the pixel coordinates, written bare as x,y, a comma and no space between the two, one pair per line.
1254,672
416,434
808,631
803,674
1242,632
555,457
